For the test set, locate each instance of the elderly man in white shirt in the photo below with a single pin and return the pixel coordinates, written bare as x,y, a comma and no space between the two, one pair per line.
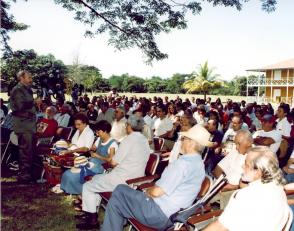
129,162
233,162
268,136
118,131
263,204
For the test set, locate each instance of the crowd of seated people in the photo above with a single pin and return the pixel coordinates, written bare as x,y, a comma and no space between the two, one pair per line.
120,131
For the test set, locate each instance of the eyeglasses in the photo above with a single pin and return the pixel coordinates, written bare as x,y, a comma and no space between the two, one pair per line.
185,138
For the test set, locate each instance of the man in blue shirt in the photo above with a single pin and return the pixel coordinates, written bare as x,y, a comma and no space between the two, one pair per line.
176,189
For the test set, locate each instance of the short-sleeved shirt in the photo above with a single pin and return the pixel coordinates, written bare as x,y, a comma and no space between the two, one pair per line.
108,115
113,144
229,135
162,126
284,127
85,139
231,165
118,130
274,134
257,207
62,119
131,156
181,181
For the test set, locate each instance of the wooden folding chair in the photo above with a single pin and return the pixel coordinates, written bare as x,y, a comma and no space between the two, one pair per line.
150,175
181,218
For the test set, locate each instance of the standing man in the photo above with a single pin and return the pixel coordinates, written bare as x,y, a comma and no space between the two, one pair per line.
24,123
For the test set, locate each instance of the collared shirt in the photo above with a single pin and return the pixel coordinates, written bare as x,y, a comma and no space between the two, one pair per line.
274,134
284,127
231,165
132,156
62,119
181,182
85,139
149,121
118,130
162,126
108,115
257,207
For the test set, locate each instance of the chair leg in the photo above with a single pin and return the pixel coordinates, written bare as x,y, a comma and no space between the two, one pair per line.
4,153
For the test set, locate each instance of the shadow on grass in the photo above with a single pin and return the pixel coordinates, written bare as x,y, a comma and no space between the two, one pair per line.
34,207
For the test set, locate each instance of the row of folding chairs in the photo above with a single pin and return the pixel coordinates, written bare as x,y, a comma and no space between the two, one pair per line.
184,219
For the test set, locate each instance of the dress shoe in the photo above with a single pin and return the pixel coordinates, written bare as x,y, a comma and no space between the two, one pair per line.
91,222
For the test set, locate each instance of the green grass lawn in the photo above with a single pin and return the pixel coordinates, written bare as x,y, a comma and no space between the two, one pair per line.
34,207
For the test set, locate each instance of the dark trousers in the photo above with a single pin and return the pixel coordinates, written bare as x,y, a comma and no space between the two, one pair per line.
125,203
26,147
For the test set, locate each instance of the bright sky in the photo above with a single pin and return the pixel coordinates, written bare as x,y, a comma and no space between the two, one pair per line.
232,41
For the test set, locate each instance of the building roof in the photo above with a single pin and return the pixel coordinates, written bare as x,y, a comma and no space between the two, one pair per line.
287,64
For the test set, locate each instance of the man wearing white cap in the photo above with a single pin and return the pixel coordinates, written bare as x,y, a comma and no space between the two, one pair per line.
177,188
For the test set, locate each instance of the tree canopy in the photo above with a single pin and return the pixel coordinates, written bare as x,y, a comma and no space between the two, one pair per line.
203,80
130,23
45,69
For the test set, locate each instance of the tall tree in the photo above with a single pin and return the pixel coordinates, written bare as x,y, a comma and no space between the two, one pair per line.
133,23
175,83
155,84
8,24
203,80
45,68
90,77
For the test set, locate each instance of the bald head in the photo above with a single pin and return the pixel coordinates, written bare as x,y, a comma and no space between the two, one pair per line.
243,141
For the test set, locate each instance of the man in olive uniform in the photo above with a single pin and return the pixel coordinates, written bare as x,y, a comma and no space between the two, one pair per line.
24,123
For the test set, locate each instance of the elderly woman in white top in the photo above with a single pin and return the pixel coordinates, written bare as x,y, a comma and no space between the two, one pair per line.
83,138
82,141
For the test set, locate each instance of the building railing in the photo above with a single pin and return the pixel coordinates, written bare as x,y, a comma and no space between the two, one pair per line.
263,81
265,100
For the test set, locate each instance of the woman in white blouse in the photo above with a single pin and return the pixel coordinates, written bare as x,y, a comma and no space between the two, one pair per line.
83,138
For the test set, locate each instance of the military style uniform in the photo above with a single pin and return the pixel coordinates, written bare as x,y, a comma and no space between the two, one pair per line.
24,126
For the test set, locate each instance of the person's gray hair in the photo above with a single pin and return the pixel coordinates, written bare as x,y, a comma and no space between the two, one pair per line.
246,135
136,122
21,73
53,109
267,163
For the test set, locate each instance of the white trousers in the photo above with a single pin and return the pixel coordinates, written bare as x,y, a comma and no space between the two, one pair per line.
91,189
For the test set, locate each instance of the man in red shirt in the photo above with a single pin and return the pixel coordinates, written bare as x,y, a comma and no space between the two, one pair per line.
47,126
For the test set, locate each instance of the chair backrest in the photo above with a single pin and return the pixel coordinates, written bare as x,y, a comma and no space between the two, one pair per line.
205,186
289,220
158,143
66,133
183,215
152,164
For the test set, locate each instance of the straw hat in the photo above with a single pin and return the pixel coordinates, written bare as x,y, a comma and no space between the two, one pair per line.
199,134
61,144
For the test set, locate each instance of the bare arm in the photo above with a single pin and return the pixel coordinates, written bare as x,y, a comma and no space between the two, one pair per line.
108,158
78,150
217,171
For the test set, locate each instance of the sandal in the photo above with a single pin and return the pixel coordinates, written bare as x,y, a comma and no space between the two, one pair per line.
78,208
76,202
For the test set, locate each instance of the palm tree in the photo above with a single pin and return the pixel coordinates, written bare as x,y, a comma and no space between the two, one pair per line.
203,81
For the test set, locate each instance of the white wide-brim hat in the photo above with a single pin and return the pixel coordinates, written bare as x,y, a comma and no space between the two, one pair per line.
199,134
